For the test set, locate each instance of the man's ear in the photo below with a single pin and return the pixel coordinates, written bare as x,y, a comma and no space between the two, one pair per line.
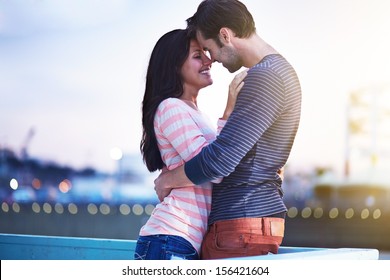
225,35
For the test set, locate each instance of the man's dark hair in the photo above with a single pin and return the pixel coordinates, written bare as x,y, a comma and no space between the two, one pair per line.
212,15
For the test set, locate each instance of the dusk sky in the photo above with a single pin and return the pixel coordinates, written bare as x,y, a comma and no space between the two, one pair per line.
74,71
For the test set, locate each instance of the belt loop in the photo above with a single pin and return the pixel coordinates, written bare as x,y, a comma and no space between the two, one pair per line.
213,228
266,227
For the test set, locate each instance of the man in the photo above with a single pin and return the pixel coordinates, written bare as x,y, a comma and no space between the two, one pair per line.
247,214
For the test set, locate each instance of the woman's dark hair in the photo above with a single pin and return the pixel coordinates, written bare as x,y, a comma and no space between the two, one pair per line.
212,15
163,80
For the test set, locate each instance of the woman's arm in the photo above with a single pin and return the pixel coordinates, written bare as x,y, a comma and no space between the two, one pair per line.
234,89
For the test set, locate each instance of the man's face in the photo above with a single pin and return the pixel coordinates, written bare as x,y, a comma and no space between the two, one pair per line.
227,54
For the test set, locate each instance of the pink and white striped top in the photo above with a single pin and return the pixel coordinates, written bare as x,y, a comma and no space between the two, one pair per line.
181,133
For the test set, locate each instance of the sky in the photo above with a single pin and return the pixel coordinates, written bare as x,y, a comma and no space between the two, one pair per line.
73,71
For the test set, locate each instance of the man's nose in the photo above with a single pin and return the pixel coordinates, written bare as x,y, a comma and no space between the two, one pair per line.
206,61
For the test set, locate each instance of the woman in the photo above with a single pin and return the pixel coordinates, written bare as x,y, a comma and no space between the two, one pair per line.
174,131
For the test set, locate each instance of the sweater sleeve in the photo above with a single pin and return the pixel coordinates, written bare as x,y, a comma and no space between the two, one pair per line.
258,106
177,133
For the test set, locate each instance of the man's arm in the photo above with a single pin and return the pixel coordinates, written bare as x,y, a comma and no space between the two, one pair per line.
256,111
259,105
170,179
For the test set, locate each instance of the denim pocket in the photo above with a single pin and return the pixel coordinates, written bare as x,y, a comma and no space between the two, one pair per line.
179,248
141,249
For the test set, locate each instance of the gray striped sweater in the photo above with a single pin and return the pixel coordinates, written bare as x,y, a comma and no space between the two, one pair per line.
254,144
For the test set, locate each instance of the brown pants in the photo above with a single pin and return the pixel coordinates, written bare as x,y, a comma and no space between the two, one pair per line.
243,237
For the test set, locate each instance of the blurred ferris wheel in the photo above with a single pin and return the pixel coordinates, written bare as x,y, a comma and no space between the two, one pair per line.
367,145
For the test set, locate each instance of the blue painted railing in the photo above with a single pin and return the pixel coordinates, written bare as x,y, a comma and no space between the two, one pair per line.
28,247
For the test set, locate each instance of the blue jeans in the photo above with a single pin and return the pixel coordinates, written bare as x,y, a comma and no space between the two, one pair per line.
164,247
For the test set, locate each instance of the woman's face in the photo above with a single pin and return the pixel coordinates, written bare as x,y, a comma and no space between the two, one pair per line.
196,69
